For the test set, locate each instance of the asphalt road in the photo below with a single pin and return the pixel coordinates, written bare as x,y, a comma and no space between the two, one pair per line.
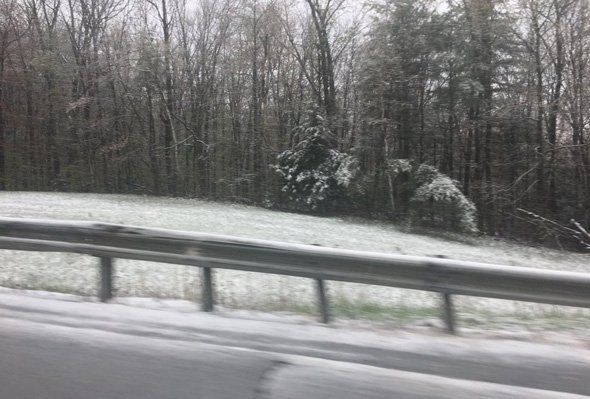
61,368
66,353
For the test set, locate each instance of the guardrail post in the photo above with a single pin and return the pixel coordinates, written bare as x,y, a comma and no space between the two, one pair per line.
448,309
449,312
323,301
207,290
106,279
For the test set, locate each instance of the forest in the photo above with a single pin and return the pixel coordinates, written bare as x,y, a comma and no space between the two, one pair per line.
466,115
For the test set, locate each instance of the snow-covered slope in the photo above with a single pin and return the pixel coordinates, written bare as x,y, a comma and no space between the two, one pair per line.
77,274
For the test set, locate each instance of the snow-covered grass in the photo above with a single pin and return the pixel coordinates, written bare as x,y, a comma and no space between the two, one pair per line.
77,274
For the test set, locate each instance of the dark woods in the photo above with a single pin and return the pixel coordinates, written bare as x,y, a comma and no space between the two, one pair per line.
452,114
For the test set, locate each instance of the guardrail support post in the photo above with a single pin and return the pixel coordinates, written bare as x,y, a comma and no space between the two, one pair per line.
323,301
106,279
449,312
207,290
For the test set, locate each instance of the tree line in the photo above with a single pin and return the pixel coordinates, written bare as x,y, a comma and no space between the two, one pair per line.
201,98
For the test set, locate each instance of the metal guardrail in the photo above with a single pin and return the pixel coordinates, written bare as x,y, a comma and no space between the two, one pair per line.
444,276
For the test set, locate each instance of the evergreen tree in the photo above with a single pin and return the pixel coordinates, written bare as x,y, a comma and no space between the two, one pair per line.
315,175
438,202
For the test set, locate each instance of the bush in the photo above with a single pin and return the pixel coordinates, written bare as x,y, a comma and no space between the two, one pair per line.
315,175
438,202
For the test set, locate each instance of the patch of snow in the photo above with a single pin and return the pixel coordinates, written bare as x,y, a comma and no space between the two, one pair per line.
178,316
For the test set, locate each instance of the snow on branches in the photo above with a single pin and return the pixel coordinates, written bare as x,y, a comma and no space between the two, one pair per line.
438,202
315,174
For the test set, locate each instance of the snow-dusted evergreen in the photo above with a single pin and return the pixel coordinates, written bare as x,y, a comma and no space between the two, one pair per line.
435,200
438,202
315,175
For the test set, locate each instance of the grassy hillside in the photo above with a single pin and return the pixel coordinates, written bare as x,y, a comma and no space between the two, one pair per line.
77,274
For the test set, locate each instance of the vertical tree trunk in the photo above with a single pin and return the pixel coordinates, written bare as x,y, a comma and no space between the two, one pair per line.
555,105
3,176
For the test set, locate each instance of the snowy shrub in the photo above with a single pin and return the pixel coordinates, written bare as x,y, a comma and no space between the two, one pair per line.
314,174
426,174
438,202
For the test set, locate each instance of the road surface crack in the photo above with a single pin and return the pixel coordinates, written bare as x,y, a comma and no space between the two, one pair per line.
264,387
